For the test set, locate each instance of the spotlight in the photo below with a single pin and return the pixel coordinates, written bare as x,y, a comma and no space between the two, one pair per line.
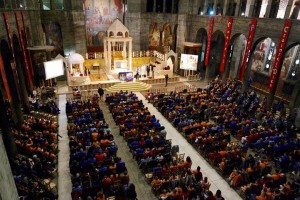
293,73
211,12
243,14
297,61
201,13
267,66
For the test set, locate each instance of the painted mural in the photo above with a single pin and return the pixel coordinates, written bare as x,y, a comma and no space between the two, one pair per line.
55,36
167,38
259,55
99,15
154,35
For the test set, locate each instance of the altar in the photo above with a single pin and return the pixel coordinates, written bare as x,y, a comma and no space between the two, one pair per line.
117,49
76,75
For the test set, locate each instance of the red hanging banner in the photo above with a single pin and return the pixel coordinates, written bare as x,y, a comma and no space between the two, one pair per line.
5,15
4,79
248,47
23,50
26,38
226,43
13,61
209,38
275,70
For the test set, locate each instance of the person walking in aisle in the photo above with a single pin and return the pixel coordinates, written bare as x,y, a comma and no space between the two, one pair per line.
166,79
100,92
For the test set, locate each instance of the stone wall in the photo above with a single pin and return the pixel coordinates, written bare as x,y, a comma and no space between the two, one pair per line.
8,188
265,27
72,27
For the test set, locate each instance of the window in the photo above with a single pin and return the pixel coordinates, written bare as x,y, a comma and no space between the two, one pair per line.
257,7
2,4
274,8
175,7
150,4
168,6
46,4
58,4
159,6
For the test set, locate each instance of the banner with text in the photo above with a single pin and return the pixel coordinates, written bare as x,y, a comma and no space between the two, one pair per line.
226,43
275,70
248,47
209,38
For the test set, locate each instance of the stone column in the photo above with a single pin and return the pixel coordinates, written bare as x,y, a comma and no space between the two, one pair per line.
124,51
206,3
249,8
22,83
8,138
154,5
215,6
130,55
109,56
295,94
268,9
105,53
164,6
297,120
8,188
288,9
225,7
237,8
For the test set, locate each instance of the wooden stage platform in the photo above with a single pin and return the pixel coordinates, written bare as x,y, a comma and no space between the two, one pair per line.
94,85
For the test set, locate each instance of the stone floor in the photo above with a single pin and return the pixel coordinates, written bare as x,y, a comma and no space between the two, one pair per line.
143,189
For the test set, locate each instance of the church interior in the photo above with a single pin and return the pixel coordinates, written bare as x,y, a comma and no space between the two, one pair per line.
150,99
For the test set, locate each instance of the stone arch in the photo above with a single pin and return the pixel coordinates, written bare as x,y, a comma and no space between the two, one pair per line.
10,72
260,62
55,35
24,86
289,77
201,37
231,8
215,55
154,36
174,45
167,37
120,34
237,45
45,36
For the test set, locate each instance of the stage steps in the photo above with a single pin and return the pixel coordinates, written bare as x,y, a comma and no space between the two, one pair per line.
135,86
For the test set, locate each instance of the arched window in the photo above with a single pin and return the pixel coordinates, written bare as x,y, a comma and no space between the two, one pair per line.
150,4
257,7
120,34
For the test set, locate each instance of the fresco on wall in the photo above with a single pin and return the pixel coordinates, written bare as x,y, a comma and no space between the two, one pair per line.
167,38
99,15
259,55
154,35
55,36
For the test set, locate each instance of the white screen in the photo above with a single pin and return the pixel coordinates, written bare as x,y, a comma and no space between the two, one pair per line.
188,61
54,68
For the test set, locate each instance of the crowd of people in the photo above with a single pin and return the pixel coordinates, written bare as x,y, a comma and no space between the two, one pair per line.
170,176
255,149
43,99
97,172
34,167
